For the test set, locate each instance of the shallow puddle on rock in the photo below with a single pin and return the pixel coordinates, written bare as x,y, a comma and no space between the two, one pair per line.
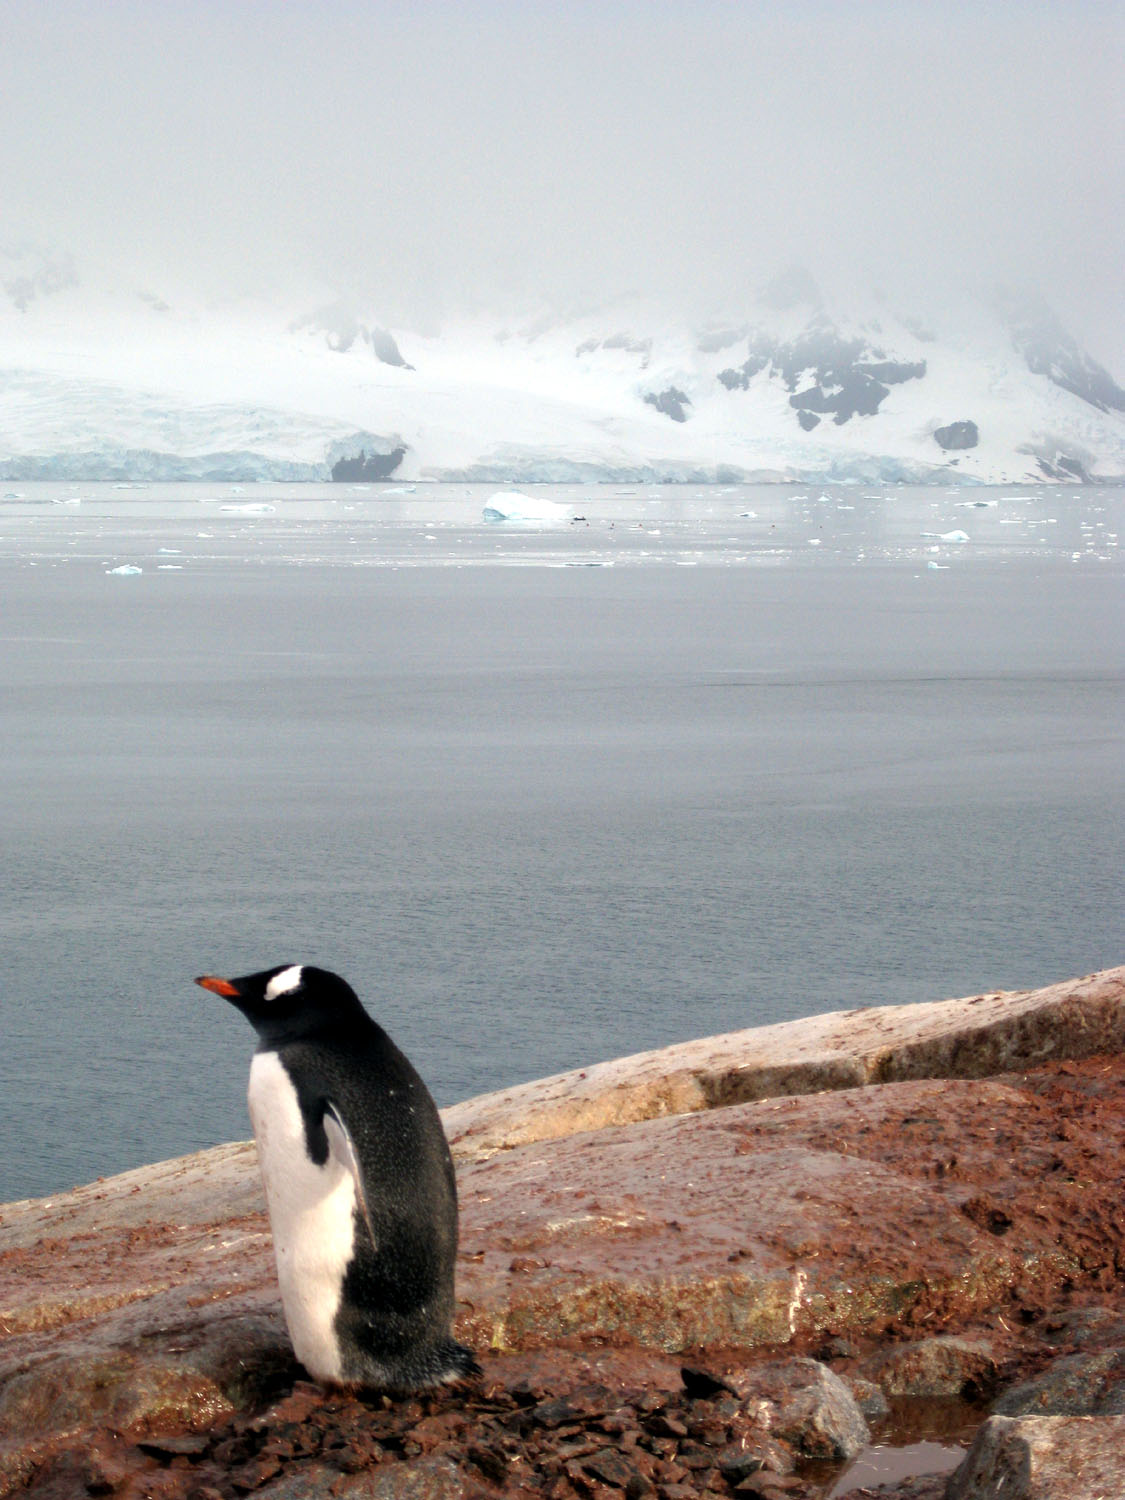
922,1435
882,1465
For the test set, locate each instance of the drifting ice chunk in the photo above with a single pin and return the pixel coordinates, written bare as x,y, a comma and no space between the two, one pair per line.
938,567
948,536
516,507
255,508
126,570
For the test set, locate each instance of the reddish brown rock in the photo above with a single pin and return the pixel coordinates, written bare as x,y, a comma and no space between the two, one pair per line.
944,1366
148,1303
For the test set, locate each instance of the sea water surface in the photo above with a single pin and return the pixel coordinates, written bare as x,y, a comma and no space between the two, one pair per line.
673,762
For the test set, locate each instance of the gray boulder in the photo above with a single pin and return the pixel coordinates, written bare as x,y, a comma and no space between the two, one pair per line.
1079,1385
1043,1458
942,1366
810,1407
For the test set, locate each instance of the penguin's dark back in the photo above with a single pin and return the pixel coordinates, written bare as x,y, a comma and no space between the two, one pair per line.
389,1113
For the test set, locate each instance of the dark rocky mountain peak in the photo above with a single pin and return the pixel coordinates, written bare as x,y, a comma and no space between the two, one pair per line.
825,371
1049,350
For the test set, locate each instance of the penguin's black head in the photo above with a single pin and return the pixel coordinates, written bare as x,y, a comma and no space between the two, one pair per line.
290,1000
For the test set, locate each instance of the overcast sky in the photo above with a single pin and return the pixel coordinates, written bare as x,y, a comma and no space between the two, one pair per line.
419,156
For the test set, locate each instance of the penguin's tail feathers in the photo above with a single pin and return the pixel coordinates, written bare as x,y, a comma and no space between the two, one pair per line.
444,1362
461,1363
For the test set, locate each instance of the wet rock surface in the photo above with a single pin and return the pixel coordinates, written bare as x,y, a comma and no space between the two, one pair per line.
722,1300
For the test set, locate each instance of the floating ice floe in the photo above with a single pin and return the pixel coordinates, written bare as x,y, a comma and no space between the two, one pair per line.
254,508
517,507
748,515
948,536
126,570
169,551
938,567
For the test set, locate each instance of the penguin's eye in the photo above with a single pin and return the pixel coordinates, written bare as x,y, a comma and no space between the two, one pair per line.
284,982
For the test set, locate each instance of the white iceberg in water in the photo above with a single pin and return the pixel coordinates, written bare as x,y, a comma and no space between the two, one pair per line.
126,570
514,506
948,536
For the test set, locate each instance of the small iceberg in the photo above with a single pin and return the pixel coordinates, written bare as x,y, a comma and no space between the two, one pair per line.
254,508
126,570
938,567
947,536
517,507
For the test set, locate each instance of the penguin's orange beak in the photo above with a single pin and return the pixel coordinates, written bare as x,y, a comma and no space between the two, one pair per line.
218,986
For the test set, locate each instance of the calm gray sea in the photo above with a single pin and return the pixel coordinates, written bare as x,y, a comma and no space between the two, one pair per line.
546,792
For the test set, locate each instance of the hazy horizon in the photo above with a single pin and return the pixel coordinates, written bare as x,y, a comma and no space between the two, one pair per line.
502,154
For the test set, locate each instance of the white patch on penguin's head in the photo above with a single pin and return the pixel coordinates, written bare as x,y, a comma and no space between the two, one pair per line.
285,982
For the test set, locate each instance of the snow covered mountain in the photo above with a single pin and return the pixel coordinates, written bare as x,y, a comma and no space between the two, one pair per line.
100,380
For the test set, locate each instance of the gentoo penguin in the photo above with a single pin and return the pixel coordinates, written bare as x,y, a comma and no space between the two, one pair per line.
359,1184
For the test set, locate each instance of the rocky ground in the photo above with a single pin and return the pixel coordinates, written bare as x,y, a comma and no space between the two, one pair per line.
723,1269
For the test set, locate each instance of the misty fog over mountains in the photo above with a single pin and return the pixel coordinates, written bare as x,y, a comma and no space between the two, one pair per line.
107,378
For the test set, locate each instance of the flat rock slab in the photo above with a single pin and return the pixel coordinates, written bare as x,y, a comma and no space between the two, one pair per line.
913,1202
148,1303
975,1037
891,1210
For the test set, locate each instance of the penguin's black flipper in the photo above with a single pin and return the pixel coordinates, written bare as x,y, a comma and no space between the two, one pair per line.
342,1148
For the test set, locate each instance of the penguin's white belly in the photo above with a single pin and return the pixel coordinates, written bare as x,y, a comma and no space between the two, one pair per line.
311,1214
